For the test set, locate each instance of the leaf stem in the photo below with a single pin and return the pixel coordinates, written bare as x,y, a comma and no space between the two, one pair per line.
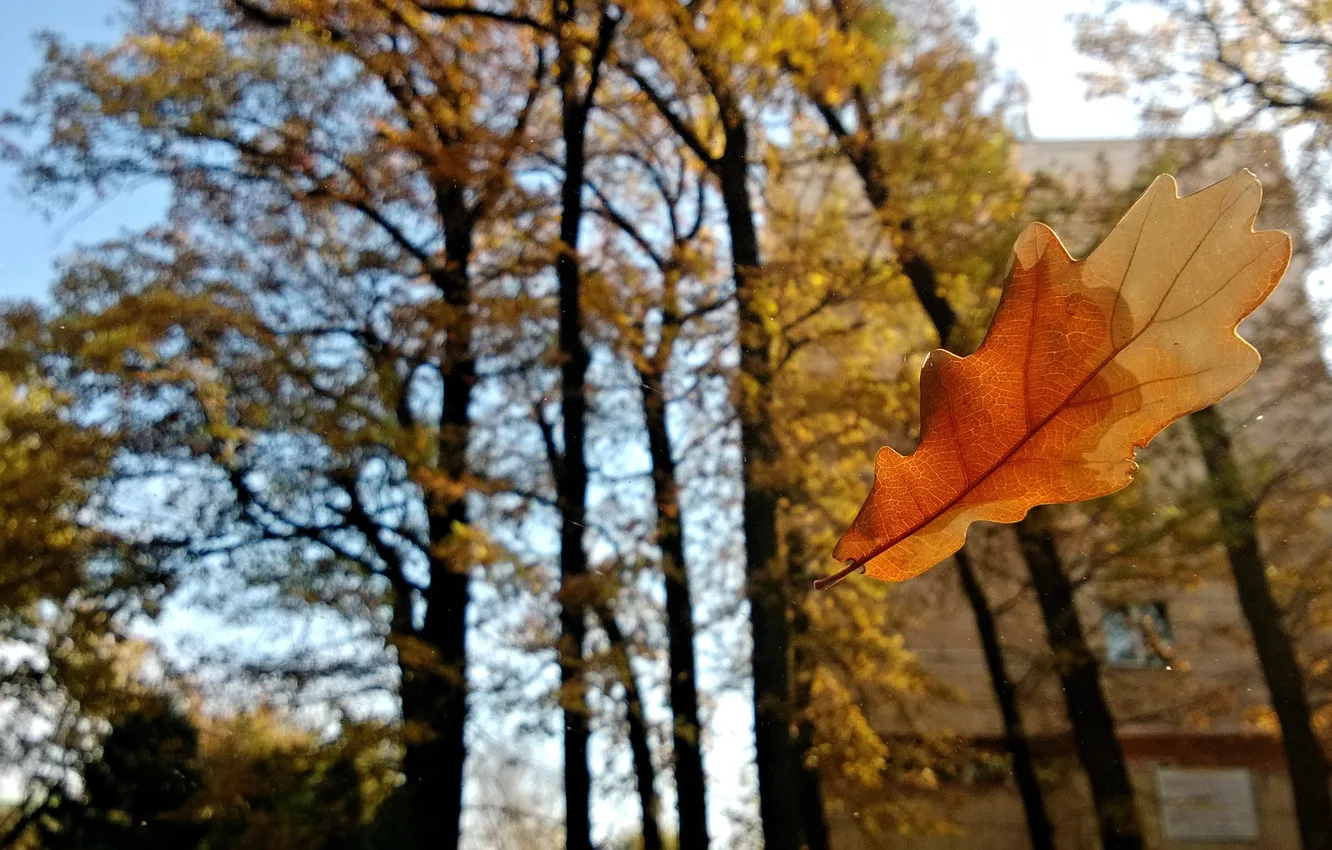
829,581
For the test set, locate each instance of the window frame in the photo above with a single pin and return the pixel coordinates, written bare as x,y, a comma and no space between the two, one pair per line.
1131,618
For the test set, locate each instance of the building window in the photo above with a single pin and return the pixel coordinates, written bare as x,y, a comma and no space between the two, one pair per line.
1138,635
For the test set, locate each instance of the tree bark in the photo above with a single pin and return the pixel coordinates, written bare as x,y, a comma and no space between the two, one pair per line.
686,733
644,773
765,588
1088,712
1039,829
1306,760
807,772
779,798
941,314
571,476
859,151
434,702
1093,724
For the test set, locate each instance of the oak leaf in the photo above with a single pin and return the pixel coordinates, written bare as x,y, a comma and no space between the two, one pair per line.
1085,362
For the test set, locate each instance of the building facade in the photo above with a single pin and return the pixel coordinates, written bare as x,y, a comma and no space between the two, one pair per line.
1176,663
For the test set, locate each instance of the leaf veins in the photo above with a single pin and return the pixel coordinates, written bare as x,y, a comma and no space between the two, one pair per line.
1086,361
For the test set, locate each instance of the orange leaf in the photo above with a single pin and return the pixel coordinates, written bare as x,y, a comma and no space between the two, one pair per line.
1084,363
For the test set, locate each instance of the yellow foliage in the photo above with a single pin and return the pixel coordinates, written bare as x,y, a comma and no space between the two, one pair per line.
48,467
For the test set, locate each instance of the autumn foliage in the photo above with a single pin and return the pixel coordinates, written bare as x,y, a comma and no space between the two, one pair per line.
486,401
1084,364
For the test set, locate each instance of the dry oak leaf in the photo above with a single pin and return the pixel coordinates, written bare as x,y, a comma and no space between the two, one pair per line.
1084,363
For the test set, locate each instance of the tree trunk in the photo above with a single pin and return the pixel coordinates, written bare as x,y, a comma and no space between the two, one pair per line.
1088,713
434,707
804,664
765,588
571,477
434,701
1015,739
1093,725
1305,758
779,798
690,782
1092,722
941,314
807,773
644,773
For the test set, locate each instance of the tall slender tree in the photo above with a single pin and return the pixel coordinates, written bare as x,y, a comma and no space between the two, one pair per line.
1240,67
1310,772
663,227
856,120
577,102
305,324
693,55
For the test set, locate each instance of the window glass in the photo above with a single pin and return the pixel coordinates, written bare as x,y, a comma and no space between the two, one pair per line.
1137,635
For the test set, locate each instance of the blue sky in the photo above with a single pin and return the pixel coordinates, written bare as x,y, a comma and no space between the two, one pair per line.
1035,42
29,244
1033,39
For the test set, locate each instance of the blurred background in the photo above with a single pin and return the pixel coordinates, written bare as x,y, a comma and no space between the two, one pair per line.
422,423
